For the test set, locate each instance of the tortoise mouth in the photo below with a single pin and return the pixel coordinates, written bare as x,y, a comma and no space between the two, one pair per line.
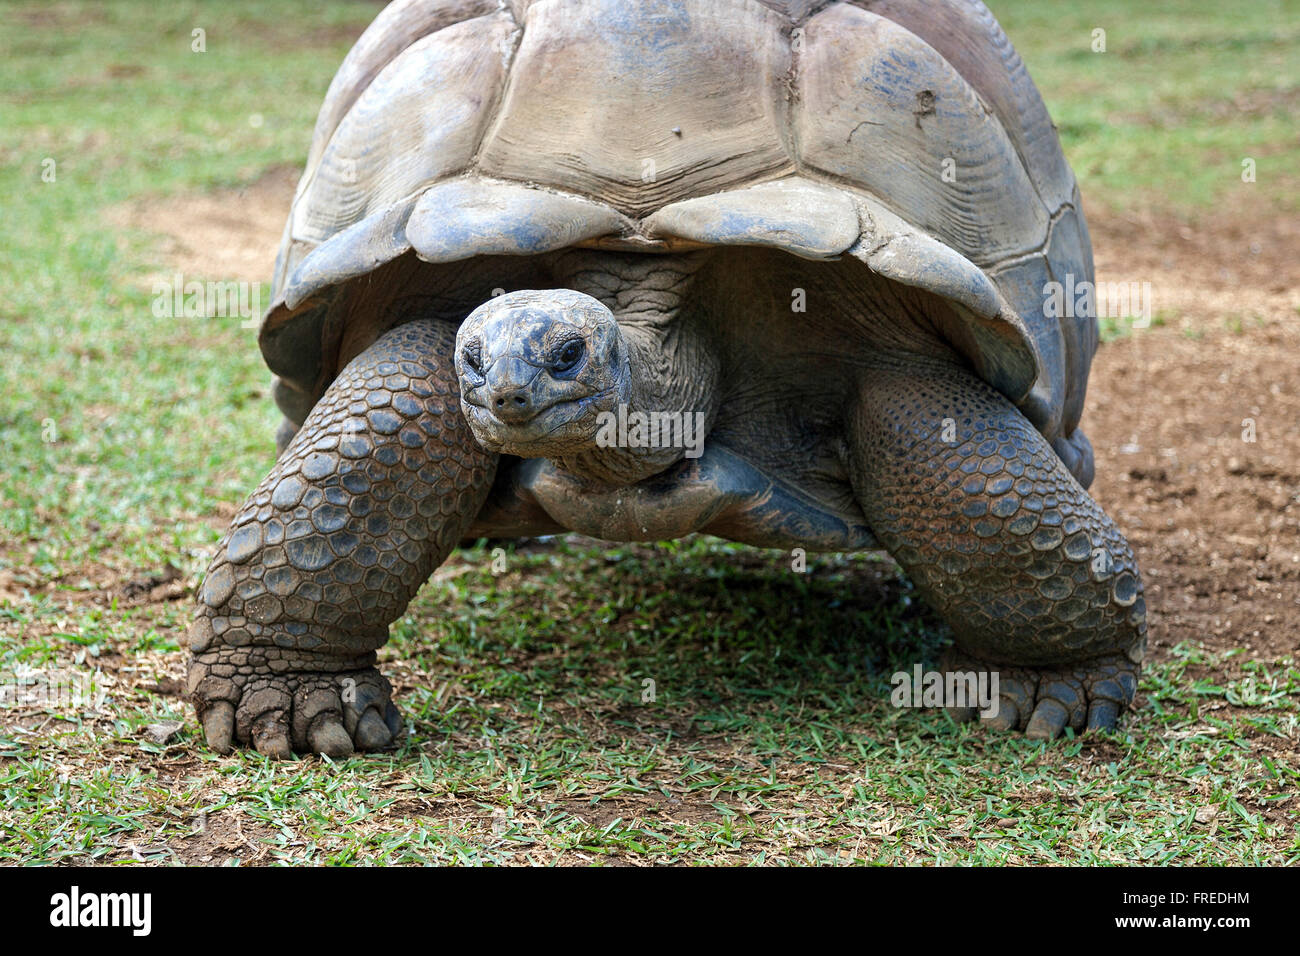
563,425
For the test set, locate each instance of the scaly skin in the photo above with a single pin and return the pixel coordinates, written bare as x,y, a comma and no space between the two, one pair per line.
1042,701
368,498
1000,539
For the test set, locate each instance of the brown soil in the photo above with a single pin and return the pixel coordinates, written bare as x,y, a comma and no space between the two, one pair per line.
1213,517
226,235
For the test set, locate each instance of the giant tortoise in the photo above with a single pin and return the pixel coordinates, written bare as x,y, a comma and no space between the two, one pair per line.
772,270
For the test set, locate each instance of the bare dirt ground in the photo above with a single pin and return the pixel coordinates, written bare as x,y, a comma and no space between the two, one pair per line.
1211,513
228,234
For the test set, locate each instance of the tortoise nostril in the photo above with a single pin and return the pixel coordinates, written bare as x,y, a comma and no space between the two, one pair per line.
513,406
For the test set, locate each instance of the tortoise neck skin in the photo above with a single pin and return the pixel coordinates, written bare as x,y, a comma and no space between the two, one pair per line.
610,377
667,414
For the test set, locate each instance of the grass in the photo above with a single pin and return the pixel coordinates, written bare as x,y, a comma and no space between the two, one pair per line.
1181,96
1111,328
128,439
769,738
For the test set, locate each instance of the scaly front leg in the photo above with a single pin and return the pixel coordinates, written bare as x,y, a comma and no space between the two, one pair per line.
370,496
1032,576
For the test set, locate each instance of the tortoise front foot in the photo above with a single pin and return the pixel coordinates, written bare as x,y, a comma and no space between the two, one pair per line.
1042,701
367,499
1036,582
279,701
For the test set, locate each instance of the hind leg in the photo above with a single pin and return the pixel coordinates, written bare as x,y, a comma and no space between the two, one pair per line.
1035,580
366,500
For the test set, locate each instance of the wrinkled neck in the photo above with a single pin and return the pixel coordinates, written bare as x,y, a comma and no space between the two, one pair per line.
671,367
665,418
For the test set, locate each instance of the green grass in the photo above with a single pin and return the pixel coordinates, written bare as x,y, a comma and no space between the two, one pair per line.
770,738
1184,91
1111,328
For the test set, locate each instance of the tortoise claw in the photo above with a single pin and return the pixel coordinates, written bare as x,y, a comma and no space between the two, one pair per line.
303,711
1043,701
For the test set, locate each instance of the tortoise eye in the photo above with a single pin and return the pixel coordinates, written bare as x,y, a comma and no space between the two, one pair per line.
569,356
473,359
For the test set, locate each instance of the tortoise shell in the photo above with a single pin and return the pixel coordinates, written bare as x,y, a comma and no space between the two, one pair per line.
903,133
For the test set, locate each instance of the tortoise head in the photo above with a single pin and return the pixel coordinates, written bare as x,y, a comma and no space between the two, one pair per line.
536,370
